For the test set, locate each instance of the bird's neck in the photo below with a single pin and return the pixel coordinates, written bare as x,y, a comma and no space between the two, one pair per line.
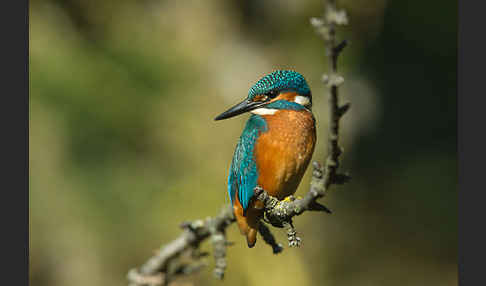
279,120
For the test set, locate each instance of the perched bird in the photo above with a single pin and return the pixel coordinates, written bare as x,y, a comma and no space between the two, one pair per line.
275,148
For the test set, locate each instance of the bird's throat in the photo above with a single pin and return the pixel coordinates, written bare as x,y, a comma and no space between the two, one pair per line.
264,111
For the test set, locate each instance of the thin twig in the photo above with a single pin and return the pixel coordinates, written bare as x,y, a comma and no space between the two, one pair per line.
269,238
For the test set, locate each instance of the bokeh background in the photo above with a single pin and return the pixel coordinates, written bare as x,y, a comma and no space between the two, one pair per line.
123,146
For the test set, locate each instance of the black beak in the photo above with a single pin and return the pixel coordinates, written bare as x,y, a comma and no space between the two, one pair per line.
242,107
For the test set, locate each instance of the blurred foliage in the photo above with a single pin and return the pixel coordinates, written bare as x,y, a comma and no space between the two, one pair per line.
123,146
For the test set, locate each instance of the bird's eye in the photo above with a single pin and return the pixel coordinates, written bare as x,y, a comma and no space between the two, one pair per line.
271,93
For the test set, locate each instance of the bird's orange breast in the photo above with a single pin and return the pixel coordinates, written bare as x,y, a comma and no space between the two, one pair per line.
283,152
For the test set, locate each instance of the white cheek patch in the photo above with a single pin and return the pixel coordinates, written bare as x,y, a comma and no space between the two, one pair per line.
264,111
302,100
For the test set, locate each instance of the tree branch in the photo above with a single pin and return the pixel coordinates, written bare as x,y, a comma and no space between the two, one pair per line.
168,262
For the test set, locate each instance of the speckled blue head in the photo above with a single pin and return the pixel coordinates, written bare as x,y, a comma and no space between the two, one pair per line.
279,81
266,91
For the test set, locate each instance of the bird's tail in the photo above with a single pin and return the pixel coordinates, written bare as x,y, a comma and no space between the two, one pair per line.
248,223
251,237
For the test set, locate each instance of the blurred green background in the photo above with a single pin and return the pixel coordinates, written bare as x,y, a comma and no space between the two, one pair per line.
123,146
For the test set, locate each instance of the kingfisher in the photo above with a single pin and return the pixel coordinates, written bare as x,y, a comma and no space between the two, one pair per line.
275,147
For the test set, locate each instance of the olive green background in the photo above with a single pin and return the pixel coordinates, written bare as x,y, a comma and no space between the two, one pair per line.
123,146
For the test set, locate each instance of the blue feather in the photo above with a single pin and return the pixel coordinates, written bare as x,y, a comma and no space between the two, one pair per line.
243,174
284,104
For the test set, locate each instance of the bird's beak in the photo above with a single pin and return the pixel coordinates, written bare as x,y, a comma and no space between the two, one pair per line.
242,107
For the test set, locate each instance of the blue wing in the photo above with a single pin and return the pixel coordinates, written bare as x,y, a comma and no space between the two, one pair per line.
243,173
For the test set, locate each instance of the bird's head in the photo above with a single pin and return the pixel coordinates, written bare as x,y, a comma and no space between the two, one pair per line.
281,89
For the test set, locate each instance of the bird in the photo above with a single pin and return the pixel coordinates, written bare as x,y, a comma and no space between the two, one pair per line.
275,147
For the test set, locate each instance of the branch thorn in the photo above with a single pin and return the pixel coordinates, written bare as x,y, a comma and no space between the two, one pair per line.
344,108
339,48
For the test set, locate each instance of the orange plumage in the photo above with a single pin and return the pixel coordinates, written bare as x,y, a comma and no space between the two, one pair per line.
282,155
